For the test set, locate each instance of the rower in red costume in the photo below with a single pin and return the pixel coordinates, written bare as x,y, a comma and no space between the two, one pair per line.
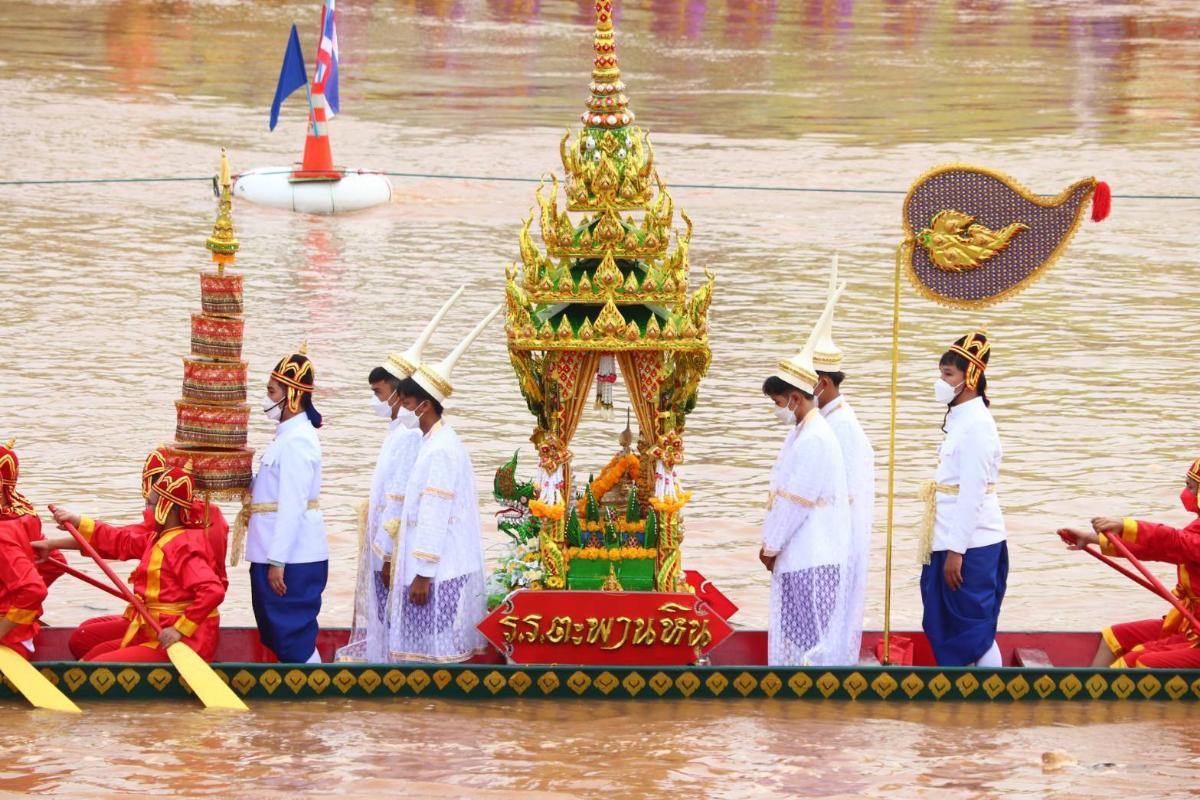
98,630
174,577
23,582
16,509
1169,642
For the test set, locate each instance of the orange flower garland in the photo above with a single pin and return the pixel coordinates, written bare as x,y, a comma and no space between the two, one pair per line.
602,553
547,511
666,506
609,477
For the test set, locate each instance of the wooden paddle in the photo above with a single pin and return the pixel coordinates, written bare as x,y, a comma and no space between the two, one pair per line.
1091,551
88,579
32,684
204,681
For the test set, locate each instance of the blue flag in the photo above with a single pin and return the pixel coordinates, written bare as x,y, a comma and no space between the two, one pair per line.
292,75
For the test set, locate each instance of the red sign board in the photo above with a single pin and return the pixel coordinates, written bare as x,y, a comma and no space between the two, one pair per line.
617,628
707,591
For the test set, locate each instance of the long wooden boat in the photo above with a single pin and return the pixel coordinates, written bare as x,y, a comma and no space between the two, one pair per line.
1043,666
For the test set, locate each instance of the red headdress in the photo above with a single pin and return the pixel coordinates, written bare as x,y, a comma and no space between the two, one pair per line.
12,502
156,464
174,488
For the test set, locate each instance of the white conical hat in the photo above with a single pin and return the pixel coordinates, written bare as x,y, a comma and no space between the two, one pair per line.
827,356
435,378
405,365
801,370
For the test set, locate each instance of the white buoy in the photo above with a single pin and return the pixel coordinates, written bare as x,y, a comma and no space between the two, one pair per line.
273,186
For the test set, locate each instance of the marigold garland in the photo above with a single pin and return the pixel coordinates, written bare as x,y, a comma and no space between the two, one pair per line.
602,553
667,506
622,525
546,510
609,477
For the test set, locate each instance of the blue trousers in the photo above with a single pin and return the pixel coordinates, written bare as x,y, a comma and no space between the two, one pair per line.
961,625
288,624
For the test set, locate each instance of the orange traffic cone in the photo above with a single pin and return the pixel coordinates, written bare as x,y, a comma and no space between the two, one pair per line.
318,157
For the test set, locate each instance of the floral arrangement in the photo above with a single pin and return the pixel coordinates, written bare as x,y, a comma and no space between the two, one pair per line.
609,477
519,568
611,554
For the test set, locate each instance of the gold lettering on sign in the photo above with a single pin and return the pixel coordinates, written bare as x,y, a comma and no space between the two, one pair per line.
610,633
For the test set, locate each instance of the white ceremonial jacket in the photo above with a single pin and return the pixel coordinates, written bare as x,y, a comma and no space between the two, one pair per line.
808,516
385,514
969,458
289,477
859,459
441,537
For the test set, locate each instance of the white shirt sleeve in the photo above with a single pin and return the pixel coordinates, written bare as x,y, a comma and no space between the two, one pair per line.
297,468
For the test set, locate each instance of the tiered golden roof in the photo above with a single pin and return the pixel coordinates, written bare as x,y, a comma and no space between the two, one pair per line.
606,281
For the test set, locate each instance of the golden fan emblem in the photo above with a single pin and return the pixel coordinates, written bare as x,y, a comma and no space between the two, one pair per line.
952,250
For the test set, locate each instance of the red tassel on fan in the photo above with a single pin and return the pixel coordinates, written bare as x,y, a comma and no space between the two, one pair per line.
1101,201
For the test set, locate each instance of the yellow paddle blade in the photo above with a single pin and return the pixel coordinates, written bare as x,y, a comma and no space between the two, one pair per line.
205,682
31,683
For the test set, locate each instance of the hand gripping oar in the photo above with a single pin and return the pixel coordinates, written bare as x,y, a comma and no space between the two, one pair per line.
204,681
32,684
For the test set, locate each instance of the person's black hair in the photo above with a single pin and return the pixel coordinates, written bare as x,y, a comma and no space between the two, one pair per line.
835,378
776,386
381,375
310,410
410,388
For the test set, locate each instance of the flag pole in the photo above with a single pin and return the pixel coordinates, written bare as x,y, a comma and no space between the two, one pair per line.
891,486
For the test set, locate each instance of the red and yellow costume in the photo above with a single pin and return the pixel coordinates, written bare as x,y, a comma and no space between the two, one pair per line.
23,582
174,578
1170,642
99,630
22,588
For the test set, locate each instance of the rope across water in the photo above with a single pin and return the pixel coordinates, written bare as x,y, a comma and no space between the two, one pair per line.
729,187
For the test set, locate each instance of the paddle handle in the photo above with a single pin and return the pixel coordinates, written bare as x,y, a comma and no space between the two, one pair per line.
88,579
130,598
1120,547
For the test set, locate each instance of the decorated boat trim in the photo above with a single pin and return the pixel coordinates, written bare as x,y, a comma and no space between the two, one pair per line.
84,681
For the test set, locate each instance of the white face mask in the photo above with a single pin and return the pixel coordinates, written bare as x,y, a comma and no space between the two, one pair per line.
944,393
407,418
273,410
383,407
785,415
816,400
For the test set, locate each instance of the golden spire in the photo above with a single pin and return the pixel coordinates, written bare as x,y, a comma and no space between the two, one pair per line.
222,242
304,348
608,107
11,443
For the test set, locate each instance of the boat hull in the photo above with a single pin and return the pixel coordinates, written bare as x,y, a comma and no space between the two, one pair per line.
245,666
355,191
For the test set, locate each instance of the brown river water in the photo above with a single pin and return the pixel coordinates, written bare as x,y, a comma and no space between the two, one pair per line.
98,281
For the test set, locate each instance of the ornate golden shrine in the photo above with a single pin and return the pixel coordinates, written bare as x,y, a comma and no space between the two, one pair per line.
608,291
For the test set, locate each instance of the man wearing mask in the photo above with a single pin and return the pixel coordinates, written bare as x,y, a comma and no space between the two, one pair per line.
174,577
963,541
806,534
1160,643
858,457
282,526
437,594
380,521
98,630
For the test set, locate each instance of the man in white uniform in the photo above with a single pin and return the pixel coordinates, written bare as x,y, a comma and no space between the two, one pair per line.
806,532
964,545
438,596
381,519
858,457
285,545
